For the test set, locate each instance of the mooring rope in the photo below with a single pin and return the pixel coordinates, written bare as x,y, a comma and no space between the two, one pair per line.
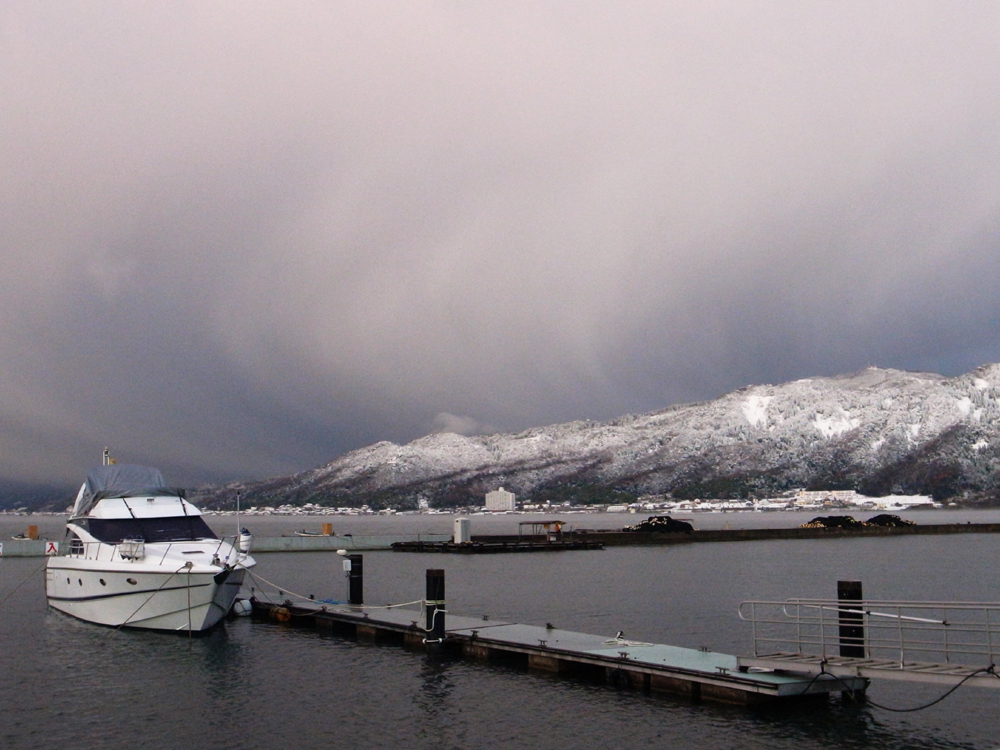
29,577
991,669
169,578
401,604
283,591
624,642
984,670
434,614
189,566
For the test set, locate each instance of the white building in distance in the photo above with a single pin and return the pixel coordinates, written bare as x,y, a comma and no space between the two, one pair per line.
500,499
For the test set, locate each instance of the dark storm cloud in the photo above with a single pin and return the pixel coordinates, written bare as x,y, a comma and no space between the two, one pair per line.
239,238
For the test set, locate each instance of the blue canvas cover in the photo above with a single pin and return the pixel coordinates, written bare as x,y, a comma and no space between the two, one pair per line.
122,480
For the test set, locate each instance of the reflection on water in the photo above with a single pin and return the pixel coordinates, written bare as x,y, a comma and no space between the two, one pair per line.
248,685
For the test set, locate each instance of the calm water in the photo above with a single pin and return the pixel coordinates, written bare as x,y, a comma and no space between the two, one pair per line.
246,685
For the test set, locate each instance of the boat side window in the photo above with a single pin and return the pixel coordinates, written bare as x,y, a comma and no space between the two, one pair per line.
172,529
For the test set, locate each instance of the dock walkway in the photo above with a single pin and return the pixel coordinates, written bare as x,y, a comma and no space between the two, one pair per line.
693,673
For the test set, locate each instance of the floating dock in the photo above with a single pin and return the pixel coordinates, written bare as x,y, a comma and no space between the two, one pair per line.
691,673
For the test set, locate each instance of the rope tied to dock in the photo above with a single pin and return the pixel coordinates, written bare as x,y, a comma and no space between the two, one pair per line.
625,642
283,591
438,611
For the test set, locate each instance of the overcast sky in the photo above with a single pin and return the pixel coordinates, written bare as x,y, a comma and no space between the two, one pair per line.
240,238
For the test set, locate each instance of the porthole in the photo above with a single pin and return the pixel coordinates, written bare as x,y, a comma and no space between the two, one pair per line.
67,580
80,581
131,580
103,582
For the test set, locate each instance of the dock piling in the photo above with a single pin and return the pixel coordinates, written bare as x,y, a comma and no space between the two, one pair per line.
355,580
435,606
852,629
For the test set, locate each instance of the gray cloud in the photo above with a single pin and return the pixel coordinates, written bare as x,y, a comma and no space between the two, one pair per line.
461,425
239,238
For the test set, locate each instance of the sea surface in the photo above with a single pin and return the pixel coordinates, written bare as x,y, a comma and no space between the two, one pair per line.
247,685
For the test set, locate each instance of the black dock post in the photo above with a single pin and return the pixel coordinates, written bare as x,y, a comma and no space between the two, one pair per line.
852,629
435,605
356,581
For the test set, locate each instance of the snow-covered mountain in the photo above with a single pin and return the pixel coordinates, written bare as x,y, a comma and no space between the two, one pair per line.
878,431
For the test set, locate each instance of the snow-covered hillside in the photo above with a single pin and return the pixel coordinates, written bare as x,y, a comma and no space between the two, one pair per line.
878,431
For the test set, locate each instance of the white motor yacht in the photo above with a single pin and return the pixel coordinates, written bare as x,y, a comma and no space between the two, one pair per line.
138,554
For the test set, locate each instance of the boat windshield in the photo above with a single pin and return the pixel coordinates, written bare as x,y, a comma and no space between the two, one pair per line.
170,529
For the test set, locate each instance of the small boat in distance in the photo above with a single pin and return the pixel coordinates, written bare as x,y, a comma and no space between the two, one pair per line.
327,531
138,554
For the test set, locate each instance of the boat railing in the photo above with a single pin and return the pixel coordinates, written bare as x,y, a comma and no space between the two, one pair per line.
135,550
88,550
900,631
217,555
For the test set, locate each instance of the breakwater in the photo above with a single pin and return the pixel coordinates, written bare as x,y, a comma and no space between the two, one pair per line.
627,538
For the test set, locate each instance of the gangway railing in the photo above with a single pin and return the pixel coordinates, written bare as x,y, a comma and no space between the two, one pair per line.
940,642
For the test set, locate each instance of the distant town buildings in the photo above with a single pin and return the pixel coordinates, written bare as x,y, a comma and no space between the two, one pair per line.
500,500
814,497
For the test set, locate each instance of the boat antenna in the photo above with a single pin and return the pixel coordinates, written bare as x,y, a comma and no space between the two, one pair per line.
239,529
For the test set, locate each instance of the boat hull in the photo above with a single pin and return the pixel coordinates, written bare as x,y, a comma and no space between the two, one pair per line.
141,596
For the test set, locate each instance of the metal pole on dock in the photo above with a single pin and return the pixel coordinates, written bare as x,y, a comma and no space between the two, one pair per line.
852,629
355,580
435,606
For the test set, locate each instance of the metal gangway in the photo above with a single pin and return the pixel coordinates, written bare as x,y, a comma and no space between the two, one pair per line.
947,643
